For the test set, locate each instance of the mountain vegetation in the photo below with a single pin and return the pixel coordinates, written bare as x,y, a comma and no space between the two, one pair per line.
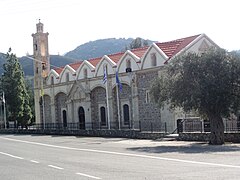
99,48
138,43
102,47
88,50
27,64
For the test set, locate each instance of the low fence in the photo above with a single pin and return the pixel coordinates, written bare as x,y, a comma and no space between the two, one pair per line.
201,126
142,126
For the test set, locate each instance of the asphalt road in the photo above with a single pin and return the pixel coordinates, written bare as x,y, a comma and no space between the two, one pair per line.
25,157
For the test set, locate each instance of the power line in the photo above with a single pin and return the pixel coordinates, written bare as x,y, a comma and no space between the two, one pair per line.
34,59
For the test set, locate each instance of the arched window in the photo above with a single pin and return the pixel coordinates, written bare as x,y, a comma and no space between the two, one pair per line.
128,63
67,77
85,73
64,116
81,116
35,47
126,114
103,116
52,80
153,60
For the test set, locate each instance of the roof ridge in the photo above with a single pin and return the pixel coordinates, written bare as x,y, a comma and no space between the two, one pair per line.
176,40
140,48
117,53
75,62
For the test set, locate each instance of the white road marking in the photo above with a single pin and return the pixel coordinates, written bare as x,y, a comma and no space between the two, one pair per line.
125,154
10,155
34,161
86,175
55,167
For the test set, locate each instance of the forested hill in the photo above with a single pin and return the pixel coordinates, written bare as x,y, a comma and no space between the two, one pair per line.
99,48
27,64
86,51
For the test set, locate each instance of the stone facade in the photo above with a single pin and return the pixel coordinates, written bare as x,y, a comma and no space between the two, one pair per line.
148,110
76,93
228,137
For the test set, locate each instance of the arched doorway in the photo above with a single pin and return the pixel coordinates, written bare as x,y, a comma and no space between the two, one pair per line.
81,116
64,115
103,116
60,105
98,99
126,114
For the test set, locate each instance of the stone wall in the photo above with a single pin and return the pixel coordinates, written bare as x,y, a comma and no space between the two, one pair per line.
47,109
98,96
148,111
92,133
60,102
229,137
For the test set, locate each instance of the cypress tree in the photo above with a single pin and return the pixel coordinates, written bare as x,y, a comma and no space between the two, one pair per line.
16,95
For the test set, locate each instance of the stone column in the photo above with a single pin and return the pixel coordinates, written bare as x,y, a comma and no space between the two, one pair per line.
110,100
135,103
69,111
53,112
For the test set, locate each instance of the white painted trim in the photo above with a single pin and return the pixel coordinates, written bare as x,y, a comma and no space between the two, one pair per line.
153,46
131,54
81,67
99,65
67,67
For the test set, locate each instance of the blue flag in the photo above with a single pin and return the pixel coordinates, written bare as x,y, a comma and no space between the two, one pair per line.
105,75
118,82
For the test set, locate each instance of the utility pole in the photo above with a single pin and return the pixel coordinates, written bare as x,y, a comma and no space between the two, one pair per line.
4,111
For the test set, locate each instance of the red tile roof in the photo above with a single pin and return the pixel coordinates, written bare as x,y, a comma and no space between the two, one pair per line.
171,48
139,52
59,70
76,65
116,57
95,61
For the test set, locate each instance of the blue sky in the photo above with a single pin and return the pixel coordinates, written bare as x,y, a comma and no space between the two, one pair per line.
74,22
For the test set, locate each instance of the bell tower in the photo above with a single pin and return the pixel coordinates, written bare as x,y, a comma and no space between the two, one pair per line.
41,67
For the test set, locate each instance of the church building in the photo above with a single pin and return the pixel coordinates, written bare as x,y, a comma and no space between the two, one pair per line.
88,94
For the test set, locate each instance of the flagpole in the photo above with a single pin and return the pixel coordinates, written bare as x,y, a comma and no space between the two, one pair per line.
118,104
108,113
105,81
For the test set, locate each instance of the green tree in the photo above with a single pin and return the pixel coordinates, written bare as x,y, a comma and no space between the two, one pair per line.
136,43
16,95
208,83
29,87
